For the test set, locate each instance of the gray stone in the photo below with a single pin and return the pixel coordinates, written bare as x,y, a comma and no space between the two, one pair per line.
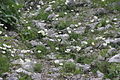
36,76
112,51
115,58
35,43
70,2
80,30
1,78
12,78
87,49
100,74
51,33
55,75
40,25
99,11
51,16
48,9
85,67
92,25
51,56
23,71
63,36
29,66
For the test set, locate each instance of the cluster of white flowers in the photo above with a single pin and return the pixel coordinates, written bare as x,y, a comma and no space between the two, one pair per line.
67,50
58,62
69,30
26,51
98,38
42,32
78,48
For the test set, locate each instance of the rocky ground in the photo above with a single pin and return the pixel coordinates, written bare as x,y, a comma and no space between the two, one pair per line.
62,40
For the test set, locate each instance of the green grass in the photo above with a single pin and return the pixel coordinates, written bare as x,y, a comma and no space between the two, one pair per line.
107,4
70,67
38,67
28,34
24,77
110,70
4,64
43,52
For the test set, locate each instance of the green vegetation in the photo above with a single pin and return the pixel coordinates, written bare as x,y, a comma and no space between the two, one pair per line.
70,67
107,4
24,77
111,70
41,51
38,67
4,64
9,15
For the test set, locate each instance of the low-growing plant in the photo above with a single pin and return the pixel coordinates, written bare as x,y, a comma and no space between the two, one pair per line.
24,77
4,64
110,70
38,67
9,15
69,67
28,34
62,25
107,4
41,51
42,15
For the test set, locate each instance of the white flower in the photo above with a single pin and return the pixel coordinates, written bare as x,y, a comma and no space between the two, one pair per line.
61,64
6,35
39,51
103,0
107,21
42,32
65,13
93,43
69,31
92,20
92,30
56,61
78,48
115,19
77,14
79,23
28,27
38,6
76,25
57,48
0,32
3,52
1,24
67,50
57,15
95,17
104,44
